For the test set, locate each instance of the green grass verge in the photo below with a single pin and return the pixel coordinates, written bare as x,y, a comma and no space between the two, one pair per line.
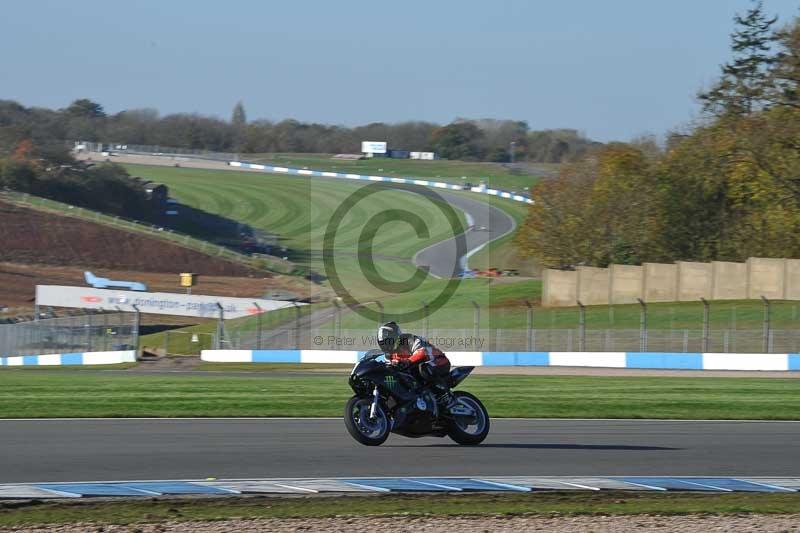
31,394
298,210
494,174
539,503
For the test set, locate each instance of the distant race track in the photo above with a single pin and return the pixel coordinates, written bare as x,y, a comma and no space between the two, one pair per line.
487,222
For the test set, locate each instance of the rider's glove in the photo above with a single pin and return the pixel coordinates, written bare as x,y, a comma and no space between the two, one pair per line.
402,364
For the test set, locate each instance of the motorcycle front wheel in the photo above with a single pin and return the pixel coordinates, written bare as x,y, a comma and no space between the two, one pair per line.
469,430
368,431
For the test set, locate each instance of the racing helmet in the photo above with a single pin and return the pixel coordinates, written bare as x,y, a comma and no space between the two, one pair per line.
388,336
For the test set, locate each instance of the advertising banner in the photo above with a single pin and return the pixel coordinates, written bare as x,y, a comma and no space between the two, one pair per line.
373,147
158,303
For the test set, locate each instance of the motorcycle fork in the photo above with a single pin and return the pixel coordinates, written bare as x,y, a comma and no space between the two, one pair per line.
373,409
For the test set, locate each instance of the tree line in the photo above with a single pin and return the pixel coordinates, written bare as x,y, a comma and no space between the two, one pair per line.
477,140
727,189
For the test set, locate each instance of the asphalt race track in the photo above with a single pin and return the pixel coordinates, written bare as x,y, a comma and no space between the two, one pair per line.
489,223
138,449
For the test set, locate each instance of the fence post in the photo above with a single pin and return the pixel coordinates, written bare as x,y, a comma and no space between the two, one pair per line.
220,326
767,317
105,330
338,322
476,319
426,323
258,326
137,320
530,325
581,327
88,327
296,325
706,312
642,326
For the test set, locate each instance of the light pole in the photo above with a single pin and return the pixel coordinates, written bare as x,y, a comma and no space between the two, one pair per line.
511,151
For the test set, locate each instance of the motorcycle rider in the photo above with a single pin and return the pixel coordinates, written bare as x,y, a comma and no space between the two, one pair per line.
409,351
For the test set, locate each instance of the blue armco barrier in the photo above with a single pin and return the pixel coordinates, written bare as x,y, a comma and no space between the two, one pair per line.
515,358
407,180
65,359
680,361
642,360
276,356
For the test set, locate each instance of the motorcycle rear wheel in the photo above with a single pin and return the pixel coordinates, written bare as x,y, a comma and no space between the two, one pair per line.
366,431
469,432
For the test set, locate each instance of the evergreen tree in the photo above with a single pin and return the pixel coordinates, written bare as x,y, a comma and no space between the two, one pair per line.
238,118
742,87
785,75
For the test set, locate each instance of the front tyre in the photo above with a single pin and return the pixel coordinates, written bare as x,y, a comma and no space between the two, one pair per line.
367,431
469,429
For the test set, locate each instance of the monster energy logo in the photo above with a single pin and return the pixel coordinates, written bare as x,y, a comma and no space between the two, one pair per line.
390,382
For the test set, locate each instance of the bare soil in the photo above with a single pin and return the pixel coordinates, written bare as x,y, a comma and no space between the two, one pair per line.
576,524
32,236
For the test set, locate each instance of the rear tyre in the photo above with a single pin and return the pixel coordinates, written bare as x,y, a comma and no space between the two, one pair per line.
469,430
369,432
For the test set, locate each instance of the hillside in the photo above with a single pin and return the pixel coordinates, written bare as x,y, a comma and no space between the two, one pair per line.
32,236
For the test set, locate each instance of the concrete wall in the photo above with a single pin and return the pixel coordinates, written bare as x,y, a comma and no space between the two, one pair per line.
660,282
559,288
694,281
625,284
791,280
593,285
765,277
728,280
776,279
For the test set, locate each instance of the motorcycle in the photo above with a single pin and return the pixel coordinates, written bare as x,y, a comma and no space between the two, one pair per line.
390,400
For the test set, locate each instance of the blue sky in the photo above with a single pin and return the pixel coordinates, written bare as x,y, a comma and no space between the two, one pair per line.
612,69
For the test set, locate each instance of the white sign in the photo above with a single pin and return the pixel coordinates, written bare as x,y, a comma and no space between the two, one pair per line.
158,303
373,147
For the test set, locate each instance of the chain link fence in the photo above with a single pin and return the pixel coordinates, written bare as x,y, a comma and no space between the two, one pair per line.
87,333
716,327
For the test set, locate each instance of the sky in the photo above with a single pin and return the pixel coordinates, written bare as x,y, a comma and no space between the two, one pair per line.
613,70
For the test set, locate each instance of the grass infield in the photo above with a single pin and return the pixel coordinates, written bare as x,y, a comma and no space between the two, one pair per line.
22,514
64,393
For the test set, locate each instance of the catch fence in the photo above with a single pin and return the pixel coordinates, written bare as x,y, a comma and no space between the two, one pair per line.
701,327
92,332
